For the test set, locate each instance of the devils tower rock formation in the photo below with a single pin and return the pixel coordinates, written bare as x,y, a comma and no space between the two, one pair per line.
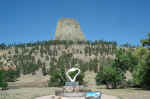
68,29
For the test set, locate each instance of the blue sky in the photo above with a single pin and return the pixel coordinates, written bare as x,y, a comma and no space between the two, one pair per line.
114,20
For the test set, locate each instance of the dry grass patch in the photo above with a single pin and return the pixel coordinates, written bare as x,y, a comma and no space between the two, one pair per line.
26,93
2,52
31,93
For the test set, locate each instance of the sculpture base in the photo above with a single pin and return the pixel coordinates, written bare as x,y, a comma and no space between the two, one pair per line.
71,83
72,90
70,94
71,87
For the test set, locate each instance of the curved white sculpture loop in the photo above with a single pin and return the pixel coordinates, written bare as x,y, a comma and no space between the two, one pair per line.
72,70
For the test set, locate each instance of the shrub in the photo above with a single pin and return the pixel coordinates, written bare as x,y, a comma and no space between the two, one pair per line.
44,71
131,83
142,73
124,61
110,77
29,67
58,71
1,75
11,75
3,84
58,77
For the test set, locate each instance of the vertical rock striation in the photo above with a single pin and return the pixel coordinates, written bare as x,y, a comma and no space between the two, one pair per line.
68,29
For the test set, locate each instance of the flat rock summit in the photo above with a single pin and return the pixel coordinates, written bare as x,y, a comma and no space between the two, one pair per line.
68,29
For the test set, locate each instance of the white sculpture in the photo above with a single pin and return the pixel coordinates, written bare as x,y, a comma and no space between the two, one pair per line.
72,70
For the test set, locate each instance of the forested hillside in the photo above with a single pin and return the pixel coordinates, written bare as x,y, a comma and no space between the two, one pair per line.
29,57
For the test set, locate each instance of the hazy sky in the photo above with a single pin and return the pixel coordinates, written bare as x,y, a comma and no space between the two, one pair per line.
114,20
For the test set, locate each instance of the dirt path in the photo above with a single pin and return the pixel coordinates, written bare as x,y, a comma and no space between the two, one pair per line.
136,97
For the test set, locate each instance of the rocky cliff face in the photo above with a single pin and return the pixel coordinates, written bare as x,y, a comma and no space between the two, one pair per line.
68,29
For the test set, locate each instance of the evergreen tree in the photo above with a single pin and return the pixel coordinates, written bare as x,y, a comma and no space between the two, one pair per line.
44,71
146,42
3,83
58,69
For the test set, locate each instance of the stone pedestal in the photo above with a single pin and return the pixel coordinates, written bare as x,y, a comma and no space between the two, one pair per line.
71,89
71,83
71,94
